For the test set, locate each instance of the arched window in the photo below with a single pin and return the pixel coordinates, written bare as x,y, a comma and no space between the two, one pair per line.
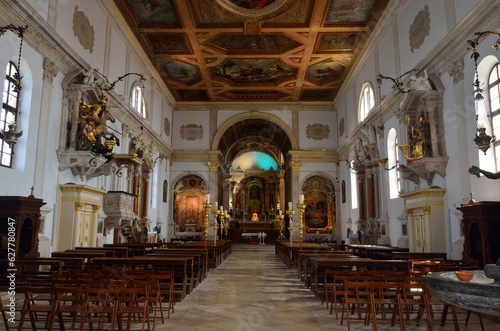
393,158
494,98
137,99
9,112
366,100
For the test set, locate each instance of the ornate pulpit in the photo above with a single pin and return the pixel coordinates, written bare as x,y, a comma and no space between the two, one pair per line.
481,226
19,224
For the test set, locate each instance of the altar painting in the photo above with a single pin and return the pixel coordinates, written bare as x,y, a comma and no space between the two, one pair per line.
316,213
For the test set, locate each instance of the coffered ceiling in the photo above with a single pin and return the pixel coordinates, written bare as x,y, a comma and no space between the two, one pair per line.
253,50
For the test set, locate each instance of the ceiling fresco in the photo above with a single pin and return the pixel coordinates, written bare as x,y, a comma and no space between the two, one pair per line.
252,50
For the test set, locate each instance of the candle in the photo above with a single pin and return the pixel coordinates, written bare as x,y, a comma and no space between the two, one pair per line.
221,208
301,198
290,205
216,205
278,205
280,212
207,197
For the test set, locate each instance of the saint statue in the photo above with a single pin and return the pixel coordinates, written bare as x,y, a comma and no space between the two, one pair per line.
92,123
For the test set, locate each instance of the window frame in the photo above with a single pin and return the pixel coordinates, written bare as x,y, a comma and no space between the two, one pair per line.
393,158
10,105
366,101
494,111
136,93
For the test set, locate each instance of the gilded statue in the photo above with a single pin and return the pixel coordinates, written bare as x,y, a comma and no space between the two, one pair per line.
92,124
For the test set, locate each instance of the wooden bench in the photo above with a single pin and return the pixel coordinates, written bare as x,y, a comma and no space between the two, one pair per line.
182,267
88,256
135,249
376,252
112,251
195,278
305,269
200,262
319,265
419,256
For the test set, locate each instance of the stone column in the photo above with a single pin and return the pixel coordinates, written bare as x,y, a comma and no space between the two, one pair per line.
146,174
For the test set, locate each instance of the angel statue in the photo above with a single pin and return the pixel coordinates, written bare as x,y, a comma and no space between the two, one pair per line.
476,171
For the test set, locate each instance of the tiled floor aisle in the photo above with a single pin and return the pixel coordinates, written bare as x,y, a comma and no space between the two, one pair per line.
253,290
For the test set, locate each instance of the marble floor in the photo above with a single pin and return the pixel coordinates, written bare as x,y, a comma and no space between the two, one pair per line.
254,290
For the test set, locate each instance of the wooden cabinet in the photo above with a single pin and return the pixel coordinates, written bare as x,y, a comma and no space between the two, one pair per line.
78,212
426,220
19,220
481,226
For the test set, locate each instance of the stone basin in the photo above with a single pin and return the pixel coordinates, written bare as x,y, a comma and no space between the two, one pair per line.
480,294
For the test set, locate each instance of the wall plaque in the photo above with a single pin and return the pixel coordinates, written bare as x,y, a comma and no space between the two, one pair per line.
420,28
191,132
83,30
317,131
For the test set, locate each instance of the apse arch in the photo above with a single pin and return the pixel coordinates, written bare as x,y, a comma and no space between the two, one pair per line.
254,116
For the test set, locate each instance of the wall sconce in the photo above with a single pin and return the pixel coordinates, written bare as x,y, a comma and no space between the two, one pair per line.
398,85
482,139
111,85
383,163
352,165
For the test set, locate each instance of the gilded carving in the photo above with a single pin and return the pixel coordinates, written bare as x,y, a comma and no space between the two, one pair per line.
213,165
295,165
79,206
426,210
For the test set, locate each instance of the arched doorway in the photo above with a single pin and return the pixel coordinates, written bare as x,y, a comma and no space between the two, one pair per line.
254,193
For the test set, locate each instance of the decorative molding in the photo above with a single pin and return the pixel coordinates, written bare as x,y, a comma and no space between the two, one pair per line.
456,70
50,71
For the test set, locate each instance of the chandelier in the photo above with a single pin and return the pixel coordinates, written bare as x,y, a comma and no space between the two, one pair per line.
482,139
11,135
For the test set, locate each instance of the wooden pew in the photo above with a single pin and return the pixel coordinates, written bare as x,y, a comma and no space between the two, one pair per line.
376,252
183,267
289,252
112,251
305,265
136,249
200,263
319,265
419,256
216,253
88,256
195,278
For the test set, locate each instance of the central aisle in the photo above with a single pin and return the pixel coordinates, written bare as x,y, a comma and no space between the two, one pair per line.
251,290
